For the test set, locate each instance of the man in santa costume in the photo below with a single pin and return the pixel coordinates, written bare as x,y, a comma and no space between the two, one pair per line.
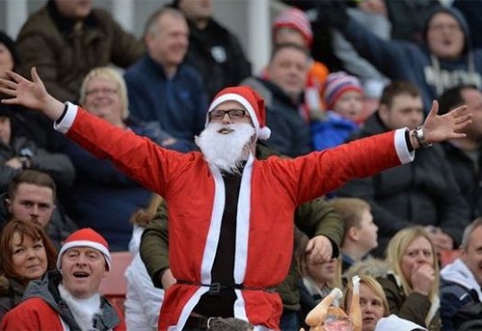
68,298
231,215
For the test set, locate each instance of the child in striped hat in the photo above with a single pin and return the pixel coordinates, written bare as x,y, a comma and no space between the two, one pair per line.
343,97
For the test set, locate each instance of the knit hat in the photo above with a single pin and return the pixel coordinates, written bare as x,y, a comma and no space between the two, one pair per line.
338,83
10,44
250,100
295,19
85,238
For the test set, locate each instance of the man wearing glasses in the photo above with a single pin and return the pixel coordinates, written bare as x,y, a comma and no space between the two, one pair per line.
231,215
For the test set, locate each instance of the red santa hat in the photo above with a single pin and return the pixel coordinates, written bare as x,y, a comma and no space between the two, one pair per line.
295,19
86,238
251,101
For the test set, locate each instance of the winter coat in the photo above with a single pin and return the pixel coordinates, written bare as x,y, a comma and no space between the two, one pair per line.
64,51
459,287
468,175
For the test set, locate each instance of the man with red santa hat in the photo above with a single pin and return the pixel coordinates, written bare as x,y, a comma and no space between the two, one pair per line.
68,298
231,216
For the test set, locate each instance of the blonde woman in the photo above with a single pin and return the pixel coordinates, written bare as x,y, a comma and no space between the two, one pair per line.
373,302
411,286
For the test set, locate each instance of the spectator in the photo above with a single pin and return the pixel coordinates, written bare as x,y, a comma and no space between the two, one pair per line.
26,254
407,18
412,284
32,196
28,123
445,58
222,234
465,156
143,300
100,190
372,14
343,96
18,152
317,281
360,231
160,85
68,298
213,49
373,302
292,26
74,38
462,283
315,218
421,193
283,91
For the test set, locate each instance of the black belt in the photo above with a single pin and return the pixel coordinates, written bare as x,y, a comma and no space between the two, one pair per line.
216,288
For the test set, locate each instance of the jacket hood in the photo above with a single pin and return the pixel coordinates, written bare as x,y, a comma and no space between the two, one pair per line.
372,267
458,272
455,14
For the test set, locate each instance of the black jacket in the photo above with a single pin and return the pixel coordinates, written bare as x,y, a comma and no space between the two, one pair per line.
423,192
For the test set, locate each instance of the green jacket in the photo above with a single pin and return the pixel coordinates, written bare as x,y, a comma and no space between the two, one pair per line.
312,218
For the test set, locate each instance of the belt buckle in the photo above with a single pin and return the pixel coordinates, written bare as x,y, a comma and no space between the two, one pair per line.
215,288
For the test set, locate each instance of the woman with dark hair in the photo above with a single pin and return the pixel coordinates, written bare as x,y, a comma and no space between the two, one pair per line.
26,253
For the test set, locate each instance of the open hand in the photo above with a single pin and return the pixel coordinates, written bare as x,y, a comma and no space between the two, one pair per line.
30,94
440,128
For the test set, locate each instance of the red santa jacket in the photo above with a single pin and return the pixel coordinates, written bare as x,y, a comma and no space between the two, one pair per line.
35,314
270,191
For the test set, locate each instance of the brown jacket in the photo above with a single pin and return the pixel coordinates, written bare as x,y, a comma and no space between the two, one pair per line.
414,308
64,51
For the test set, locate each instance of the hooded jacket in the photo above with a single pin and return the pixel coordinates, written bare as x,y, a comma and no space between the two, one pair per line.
458,288
412,62
42,308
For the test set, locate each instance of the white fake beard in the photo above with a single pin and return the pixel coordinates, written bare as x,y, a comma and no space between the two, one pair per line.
225,151
83,310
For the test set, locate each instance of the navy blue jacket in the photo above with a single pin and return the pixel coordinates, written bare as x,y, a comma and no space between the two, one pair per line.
178,104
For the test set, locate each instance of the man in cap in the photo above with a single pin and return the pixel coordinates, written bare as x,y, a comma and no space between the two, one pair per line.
68,298
231,216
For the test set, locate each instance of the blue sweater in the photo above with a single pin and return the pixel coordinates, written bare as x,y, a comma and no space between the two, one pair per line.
177,103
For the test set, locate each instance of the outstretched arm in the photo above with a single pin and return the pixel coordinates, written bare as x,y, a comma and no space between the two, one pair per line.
33,95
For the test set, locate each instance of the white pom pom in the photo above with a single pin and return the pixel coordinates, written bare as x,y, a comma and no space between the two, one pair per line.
264,133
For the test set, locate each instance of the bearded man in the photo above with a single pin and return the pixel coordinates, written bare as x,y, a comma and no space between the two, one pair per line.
231,216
